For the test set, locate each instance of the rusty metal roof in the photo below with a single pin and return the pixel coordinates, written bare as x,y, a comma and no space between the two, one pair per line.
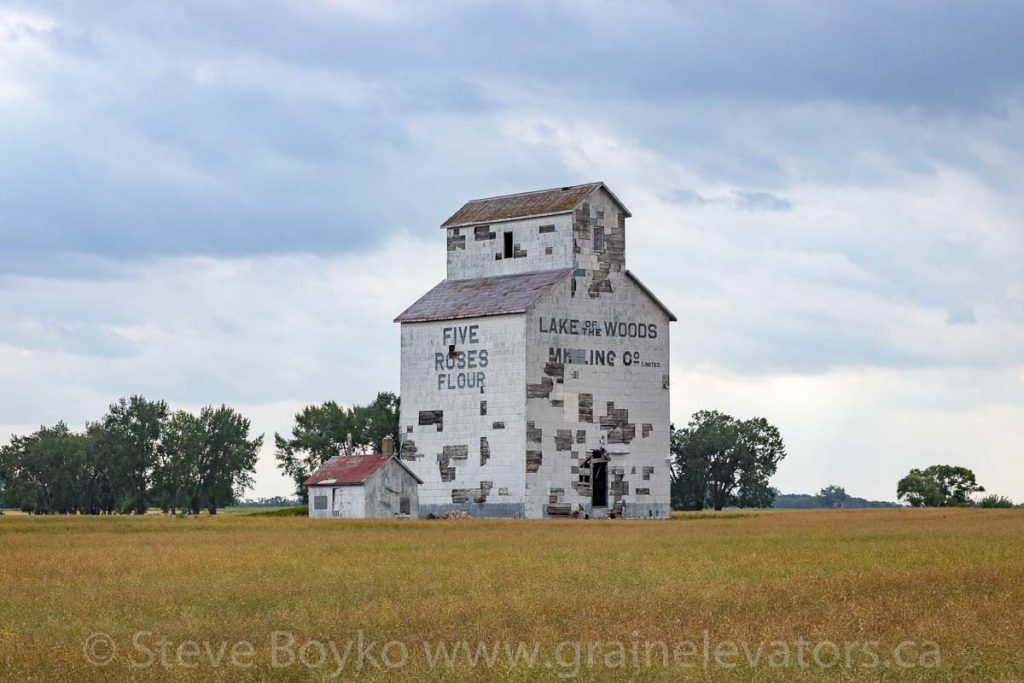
525,205
351,470
483,296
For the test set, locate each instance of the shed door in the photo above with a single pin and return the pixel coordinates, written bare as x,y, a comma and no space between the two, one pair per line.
336,502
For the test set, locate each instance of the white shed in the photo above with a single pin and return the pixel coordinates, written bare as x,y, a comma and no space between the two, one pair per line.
358,486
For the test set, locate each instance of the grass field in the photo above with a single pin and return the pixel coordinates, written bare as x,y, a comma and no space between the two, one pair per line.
177,599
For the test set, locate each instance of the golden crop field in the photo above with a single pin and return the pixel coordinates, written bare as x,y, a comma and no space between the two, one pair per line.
765,595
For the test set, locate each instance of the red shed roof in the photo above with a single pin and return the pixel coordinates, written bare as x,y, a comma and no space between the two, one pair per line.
351,470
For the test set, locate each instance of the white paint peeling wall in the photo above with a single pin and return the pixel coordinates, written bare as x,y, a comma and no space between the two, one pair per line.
427,388
472,251
624,321
629,372
385,490
603,212
348,502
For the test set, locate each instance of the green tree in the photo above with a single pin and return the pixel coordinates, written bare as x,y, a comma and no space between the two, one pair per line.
832,496
96,493
689,480
204,461
761,449
42,469
994,501
132,429
322,432
179,456
228,458
719,460
938,486
919,490
376,420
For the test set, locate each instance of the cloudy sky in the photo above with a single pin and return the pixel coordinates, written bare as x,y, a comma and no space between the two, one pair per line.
218,201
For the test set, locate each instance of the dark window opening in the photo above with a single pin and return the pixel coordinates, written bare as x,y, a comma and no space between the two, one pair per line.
508,245
451,351
404,506
599,482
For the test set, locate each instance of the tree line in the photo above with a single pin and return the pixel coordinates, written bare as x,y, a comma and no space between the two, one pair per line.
831,496
139,455
719,461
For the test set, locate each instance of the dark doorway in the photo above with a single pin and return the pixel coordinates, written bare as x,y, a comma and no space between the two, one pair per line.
404,506
599,472
508,245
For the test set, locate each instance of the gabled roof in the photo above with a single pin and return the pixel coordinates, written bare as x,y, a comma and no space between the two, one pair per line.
483,296
352,470
526,205
671,316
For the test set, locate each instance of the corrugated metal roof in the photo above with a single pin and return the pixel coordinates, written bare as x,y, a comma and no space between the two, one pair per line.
525,204
483,296
351,470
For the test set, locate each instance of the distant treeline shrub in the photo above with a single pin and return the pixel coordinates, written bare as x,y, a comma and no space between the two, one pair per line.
139,455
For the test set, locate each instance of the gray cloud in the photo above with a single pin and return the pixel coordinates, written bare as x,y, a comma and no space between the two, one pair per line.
203,130
687,196
208,204
761,201
961,315
744,200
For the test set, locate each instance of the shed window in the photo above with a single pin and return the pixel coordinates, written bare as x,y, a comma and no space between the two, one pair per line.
508,245
404,505
319,502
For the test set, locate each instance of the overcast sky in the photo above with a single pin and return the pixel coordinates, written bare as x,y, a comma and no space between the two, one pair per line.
218,201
